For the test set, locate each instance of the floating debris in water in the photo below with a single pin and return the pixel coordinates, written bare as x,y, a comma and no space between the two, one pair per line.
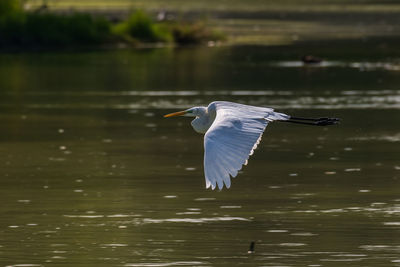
251,248
330,172
310,59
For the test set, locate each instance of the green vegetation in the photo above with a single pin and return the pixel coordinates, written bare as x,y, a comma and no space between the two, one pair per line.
295,6
8,7
194,33
52,30
139,27
19,29
261,22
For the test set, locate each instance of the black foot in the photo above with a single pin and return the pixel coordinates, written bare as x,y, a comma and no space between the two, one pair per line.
313,121
326,121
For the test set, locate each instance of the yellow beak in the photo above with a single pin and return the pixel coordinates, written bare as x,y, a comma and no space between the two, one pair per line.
179,113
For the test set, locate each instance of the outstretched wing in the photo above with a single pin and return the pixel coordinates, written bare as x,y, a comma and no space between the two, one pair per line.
232,138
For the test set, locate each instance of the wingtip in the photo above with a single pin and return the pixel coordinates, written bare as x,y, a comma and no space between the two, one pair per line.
209,184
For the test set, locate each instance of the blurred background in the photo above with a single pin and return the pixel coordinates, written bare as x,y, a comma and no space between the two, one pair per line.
93,175
255,21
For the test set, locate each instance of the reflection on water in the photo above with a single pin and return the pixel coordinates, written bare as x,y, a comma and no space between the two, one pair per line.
176,263
361,66
132,100
93,175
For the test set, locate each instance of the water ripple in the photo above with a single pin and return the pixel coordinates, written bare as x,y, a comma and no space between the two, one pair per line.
388,210
362,66
387,248
133,100
194,220
176,263
388,138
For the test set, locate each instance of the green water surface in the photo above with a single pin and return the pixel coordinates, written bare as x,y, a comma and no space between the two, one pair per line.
93,175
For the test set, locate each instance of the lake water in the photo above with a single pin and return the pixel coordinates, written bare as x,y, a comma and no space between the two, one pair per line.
93,175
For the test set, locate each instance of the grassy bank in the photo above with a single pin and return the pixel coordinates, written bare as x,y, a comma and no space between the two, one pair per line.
260,22
140,28
253,22
365,6
41,29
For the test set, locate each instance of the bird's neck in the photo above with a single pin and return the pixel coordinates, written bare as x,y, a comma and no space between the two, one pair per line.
202,112
203,120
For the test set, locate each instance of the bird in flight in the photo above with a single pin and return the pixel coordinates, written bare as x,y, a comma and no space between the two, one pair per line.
232,132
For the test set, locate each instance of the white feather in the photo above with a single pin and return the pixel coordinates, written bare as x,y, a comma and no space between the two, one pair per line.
231,139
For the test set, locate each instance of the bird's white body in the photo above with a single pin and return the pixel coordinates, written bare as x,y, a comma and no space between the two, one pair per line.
232,132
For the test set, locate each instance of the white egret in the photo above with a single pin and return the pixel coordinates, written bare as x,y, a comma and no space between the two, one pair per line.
232,133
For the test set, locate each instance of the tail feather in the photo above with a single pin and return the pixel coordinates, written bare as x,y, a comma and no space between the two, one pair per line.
277,116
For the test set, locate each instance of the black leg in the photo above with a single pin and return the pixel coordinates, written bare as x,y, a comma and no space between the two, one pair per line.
313,121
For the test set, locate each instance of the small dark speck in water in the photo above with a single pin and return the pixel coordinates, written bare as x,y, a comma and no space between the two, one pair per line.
251,248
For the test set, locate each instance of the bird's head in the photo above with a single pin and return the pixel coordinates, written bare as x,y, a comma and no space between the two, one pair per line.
191,112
